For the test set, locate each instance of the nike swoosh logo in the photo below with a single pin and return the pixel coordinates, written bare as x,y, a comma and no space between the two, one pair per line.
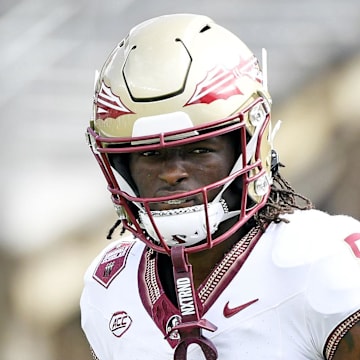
229,312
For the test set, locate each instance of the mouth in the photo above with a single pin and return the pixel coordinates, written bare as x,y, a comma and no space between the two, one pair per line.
174,204
175,201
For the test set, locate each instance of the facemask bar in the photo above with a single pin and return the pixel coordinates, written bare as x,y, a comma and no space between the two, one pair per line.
250,150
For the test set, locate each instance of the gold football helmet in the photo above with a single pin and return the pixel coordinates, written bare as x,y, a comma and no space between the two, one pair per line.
174,80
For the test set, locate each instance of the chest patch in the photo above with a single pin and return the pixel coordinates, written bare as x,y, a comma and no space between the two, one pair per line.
112,263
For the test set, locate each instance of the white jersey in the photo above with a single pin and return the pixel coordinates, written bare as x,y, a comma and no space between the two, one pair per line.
290,293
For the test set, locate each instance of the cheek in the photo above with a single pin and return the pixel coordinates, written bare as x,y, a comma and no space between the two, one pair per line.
141,176
210,174
220,168
215,171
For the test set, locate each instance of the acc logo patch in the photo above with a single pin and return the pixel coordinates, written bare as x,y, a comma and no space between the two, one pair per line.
112,263
119,323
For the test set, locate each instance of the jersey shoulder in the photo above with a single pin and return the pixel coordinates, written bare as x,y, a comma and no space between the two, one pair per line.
312,234
327,247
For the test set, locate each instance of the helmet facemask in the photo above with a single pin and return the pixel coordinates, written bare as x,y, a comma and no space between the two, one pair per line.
194,227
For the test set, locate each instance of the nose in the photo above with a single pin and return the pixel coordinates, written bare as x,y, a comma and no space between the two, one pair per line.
173,172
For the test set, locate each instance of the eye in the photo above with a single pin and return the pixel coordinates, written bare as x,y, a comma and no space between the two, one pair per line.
149,153
201,150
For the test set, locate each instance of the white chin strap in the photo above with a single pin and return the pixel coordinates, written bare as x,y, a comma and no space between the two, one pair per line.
185,226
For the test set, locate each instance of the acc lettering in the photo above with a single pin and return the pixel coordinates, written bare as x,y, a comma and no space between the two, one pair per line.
119,323
186,301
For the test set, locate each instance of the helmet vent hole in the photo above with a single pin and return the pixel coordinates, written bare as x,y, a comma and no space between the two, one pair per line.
205,28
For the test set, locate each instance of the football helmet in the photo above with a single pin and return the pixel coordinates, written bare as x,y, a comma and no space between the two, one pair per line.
174,80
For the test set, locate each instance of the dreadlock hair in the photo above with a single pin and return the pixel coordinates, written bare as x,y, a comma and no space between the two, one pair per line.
282,200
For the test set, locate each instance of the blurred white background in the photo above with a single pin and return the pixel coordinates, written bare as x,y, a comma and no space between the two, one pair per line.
55,207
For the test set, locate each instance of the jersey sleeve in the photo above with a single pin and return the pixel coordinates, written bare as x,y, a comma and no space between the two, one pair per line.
96,298
89,313
333,288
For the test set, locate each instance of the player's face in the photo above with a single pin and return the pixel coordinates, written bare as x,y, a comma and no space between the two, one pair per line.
184,168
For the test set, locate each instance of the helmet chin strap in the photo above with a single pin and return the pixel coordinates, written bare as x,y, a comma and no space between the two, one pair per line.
192,324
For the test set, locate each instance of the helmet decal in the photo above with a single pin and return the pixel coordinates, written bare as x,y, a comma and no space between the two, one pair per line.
220,82
109,104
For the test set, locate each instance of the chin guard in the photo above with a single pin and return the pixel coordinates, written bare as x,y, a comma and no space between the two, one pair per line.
191,326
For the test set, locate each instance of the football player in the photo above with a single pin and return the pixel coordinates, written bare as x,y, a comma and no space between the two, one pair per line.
220,258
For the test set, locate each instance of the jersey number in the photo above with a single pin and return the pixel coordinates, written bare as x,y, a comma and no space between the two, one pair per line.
354,242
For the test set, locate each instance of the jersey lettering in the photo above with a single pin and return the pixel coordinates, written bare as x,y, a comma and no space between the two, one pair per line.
186,301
